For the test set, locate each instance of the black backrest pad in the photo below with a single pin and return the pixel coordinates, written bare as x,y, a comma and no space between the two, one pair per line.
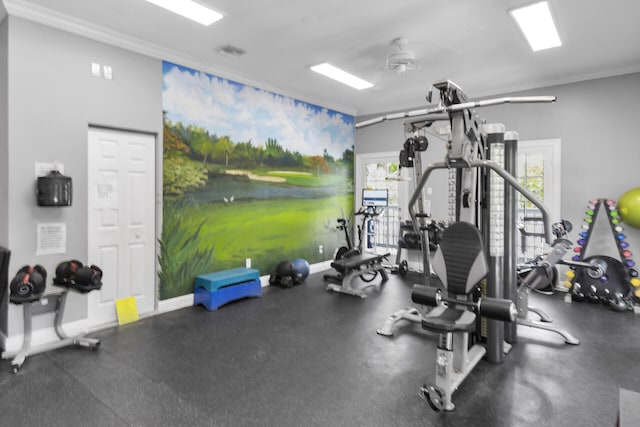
5,254
460,261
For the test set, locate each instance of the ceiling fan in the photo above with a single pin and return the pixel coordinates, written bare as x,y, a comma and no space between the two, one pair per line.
401,60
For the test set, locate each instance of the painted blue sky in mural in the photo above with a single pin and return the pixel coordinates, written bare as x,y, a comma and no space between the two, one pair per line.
245,113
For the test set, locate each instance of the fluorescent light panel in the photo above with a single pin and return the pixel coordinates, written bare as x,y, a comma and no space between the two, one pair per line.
190,9
537,25
342,76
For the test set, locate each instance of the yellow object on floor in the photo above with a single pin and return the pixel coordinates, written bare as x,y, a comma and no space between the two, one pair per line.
127,310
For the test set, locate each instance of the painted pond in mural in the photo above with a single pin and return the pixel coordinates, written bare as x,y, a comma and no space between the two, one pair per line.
229,188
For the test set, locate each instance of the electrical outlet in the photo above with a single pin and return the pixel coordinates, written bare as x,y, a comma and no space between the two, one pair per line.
320,249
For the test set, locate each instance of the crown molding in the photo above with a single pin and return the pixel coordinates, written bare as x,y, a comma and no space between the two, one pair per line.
63,22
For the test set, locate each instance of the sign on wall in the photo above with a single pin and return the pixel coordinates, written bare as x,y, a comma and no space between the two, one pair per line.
51,238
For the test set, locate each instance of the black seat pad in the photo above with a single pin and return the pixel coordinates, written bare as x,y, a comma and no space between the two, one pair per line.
445,319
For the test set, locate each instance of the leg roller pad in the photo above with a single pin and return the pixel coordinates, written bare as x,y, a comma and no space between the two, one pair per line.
217,289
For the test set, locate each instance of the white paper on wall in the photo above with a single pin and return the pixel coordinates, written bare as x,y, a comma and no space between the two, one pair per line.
51,238
43,168
106,195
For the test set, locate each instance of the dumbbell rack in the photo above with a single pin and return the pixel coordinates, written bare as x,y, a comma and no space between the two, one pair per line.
41,306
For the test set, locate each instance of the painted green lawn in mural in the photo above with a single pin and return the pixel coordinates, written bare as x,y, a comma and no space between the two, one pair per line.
239,232
247,174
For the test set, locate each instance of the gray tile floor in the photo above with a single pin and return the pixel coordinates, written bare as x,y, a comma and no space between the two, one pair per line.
307,357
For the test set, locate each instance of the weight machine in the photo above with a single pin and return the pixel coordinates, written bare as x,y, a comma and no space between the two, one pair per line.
481,160
411,158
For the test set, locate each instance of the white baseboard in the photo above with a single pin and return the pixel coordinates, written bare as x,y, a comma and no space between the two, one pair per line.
320,266
264,281
313,268
48,335
44,336
171,304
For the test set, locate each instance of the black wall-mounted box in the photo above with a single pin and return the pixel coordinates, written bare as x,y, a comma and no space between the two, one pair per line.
54,189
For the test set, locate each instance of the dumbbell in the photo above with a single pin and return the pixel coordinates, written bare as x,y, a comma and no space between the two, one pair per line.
88,279
66,272
28,284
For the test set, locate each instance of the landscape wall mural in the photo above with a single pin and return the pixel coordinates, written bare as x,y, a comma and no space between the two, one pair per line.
247,173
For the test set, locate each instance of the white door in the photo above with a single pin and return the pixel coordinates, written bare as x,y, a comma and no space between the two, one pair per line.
121,235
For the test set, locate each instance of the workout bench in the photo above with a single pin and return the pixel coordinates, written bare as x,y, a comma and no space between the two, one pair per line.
214,290
351,267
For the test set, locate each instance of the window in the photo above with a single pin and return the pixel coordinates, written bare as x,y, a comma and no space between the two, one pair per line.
373,172
539,172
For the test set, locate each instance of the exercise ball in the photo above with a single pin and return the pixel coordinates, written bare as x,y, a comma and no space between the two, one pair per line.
629,207
301,266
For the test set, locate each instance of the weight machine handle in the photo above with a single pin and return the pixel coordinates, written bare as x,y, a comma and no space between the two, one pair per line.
443,110
488,164
426,295
498,308
494,308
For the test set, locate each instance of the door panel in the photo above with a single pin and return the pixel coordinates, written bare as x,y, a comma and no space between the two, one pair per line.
121,220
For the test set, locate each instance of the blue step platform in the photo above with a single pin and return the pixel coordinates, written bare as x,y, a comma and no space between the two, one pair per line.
214,290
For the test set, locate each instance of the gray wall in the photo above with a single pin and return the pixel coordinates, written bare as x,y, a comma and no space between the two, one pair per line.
596,121
4,135
53,98
4,155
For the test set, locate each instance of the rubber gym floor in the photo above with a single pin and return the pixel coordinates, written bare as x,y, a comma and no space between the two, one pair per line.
307,357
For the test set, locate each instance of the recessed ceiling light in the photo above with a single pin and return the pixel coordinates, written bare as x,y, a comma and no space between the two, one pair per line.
536,23
190,9
342,76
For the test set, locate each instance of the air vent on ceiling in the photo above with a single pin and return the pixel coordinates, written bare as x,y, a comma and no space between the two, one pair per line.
232,51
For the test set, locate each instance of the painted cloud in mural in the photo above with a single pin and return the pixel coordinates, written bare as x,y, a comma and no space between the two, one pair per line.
246,113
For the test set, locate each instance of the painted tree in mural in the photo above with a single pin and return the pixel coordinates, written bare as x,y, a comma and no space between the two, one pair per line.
172,143
224,146
179,173
245,154
203,145
328,157
319,164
